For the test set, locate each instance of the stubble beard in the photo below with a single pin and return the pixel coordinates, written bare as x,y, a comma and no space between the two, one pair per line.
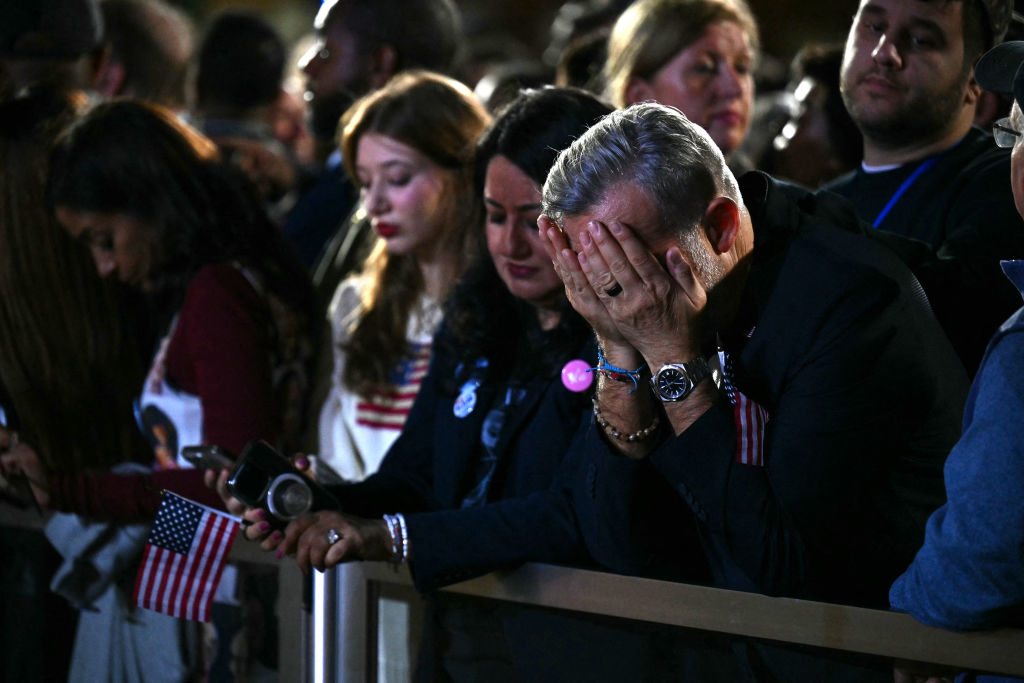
919,118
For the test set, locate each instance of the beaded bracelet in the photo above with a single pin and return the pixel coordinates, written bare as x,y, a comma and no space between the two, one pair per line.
619,436
617,373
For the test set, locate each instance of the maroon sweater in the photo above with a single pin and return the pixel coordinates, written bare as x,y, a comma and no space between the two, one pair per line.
221,352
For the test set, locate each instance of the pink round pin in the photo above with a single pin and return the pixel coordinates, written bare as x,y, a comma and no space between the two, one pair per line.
575,375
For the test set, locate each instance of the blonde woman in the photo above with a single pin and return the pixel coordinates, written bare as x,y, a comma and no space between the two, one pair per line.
695,55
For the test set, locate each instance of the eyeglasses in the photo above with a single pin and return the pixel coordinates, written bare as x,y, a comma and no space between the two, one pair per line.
1004,133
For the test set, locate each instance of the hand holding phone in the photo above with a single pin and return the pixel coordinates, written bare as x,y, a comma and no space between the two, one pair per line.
265,479
208,457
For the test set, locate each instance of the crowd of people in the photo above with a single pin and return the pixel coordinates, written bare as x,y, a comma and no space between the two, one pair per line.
614,310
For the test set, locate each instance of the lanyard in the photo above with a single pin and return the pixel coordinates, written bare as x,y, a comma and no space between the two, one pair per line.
903,188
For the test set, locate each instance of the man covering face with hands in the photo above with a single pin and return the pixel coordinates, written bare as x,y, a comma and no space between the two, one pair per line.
779,370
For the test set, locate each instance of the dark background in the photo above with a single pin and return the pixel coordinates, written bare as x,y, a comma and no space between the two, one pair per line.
785,25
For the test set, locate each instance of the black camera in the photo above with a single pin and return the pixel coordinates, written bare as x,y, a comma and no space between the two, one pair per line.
263,478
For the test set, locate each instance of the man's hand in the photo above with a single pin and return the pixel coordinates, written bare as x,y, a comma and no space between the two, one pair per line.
657,312
582,294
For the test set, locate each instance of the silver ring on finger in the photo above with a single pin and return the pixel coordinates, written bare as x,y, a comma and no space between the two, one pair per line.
614,290
332,536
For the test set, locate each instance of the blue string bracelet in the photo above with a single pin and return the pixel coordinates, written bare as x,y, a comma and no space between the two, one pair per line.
616,373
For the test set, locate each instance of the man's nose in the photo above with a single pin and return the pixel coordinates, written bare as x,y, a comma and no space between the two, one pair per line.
886,52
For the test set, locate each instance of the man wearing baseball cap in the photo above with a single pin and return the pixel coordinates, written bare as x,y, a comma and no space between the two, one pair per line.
970,573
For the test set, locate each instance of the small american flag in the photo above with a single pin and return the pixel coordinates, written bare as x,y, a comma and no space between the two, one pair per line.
184,558
751,418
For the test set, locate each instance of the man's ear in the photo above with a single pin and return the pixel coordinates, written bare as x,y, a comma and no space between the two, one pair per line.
638,90
972,93
383,64
722,224
990,107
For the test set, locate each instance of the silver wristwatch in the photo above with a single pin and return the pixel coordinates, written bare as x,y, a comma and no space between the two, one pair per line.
674,381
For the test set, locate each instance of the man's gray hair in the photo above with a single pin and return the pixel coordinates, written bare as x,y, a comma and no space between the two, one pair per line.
652,146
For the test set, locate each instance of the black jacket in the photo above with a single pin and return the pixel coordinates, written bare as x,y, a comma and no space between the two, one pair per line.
863,394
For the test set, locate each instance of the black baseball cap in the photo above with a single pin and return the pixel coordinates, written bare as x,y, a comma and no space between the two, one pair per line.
999,70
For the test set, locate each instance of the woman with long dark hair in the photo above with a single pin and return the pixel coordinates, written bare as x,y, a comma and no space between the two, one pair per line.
232,307
69,368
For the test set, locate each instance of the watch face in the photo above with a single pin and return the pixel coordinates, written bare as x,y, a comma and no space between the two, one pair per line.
672,383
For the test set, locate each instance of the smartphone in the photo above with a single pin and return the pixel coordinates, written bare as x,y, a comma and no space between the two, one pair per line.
324,473
208,457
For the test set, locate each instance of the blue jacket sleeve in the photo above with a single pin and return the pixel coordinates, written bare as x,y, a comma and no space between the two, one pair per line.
969,573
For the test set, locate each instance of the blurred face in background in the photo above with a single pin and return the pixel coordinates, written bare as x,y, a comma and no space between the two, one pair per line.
121,245
513,204
804,149
335,70
710,80
407,196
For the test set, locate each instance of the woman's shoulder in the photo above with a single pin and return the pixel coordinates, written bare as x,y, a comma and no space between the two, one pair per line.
348,294
222,288
346,304
225,278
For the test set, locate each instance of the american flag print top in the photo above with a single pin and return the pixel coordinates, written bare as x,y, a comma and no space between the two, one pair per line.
750,418
388,407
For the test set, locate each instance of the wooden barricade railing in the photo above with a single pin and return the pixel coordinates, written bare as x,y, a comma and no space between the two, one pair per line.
837,627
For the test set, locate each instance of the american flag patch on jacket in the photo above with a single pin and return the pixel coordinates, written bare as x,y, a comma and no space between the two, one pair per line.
750,418
387,408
